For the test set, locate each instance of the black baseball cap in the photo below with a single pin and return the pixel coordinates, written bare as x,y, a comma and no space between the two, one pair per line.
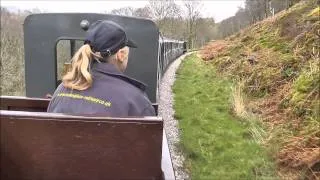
107,37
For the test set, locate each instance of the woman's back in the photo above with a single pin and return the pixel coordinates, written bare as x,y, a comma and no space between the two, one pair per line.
96,83
112,94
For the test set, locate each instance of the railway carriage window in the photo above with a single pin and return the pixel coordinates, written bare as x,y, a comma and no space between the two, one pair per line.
65,49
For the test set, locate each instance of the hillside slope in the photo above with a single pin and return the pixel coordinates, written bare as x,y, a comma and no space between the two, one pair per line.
276,64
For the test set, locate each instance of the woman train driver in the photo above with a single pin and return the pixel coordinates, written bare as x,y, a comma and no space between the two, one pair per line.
96,83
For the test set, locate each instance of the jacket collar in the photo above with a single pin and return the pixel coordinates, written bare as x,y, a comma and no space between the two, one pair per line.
111,70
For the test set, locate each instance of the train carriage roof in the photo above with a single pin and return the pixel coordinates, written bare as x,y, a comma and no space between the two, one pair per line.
165,39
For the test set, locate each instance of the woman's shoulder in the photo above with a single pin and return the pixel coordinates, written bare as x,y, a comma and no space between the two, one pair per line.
108,72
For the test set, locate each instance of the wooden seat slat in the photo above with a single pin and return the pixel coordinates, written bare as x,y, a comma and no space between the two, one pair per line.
19,103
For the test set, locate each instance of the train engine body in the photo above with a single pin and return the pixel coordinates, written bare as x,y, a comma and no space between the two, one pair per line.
52,39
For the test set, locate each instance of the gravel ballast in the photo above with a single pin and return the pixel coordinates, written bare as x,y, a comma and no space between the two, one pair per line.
166,111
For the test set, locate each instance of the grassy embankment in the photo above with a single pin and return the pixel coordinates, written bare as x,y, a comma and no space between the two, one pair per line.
217,144
275,63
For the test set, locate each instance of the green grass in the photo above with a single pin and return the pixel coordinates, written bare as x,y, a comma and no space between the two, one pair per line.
216,144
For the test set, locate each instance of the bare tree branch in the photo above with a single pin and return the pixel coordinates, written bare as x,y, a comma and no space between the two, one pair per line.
193,9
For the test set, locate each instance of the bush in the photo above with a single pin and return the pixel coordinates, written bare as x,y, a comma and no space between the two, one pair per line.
12,54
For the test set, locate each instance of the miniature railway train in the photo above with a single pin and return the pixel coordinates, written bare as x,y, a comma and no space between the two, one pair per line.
40,145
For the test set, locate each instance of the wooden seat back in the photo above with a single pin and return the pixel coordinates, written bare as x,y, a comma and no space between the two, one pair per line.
54,146
19,103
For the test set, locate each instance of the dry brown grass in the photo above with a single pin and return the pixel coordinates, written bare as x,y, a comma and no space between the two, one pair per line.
213,50
241,109
238,100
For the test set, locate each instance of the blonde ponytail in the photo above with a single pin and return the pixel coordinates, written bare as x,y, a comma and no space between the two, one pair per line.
79,77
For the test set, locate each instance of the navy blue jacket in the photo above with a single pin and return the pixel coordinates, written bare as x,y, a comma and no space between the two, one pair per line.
111,94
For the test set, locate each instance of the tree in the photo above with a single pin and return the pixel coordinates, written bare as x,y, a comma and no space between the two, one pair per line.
125,11
176,22
144,12
254,11
205,31
243,18
162,9
193,9
166,14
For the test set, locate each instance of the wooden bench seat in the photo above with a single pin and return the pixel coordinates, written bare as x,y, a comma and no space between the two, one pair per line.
40,145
